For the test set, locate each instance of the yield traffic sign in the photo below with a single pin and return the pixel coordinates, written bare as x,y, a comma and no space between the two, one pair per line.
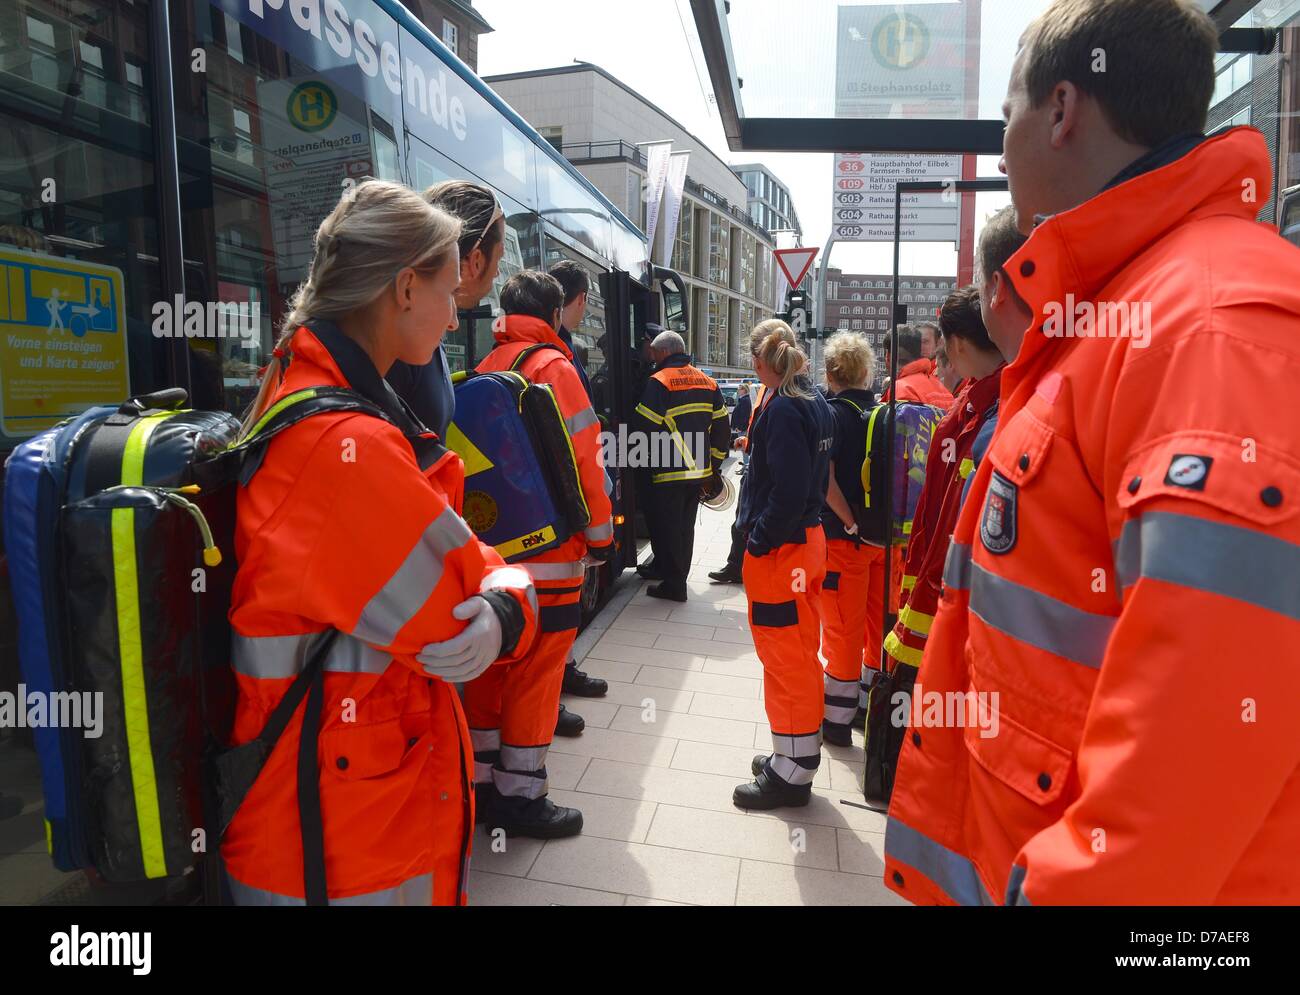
795,263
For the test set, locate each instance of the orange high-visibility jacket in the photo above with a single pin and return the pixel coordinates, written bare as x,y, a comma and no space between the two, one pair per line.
1124,574
946,470
917,382
342,527
514,333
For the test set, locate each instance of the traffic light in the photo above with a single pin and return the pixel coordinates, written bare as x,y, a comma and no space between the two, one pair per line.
799,309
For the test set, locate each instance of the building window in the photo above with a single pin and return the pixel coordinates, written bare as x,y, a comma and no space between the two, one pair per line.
857,325
719,250
451,36
718,308
682,260
554,134
1230,79
746,282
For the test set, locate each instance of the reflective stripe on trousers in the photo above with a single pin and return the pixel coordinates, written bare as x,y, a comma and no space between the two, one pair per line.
413,891
841,700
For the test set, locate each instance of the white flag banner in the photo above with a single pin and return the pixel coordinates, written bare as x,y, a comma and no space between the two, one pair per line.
657,155
673,202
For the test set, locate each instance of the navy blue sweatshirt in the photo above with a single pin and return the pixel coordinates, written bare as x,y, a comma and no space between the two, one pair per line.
427,390
789,464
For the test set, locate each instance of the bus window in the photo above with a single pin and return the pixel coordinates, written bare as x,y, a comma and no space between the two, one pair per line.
78,236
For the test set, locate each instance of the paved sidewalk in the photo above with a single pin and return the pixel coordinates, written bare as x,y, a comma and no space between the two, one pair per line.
654,771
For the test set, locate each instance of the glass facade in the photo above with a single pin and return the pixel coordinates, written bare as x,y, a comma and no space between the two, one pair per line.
719,250
683,260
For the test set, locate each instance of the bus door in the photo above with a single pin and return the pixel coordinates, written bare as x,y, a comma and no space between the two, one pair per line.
629,305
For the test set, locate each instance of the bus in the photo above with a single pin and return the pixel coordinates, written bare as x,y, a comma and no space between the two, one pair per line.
275,114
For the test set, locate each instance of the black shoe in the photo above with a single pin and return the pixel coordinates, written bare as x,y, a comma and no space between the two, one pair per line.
833,733
726,576
759,763
576,682
569,723
650,571
768,791
485,796
659,591
537,818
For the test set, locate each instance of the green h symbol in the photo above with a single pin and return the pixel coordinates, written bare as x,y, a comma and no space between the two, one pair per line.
311,107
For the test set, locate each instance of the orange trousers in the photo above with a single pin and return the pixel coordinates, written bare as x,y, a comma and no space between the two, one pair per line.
784,591
512,708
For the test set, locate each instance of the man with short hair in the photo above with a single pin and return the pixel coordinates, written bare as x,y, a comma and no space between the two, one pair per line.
929,338
511,710
575,283
1120,612
683,417
916,379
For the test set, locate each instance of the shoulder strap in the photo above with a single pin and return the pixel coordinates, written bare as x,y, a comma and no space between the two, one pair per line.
525,353
845,400
289,411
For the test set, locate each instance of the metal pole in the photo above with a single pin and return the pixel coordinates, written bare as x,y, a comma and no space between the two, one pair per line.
171,257
819,305
885,627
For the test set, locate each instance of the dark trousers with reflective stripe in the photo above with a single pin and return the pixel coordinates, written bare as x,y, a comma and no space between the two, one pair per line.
519,701
784,590
670,516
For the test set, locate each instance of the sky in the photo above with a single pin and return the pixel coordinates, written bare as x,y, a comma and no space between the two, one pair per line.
652,46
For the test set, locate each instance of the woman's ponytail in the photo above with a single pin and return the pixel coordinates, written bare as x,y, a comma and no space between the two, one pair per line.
773,341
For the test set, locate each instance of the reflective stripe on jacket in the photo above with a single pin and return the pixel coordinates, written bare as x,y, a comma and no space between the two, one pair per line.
1123,577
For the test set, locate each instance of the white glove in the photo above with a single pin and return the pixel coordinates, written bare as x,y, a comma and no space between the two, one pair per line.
851,530
463,657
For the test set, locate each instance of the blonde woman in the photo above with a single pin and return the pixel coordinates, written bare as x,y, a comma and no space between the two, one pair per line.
851,594
351,548
785,560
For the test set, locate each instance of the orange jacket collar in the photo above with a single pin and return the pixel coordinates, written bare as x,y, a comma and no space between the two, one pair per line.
526,328
1081,250
922,366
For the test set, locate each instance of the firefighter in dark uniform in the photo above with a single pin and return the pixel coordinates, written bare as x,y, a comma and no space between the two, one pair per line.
685,422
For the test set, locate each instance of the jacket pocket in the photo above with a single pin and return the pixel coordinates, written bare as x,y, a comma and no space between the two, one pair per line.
1030,764
355,753
1209,469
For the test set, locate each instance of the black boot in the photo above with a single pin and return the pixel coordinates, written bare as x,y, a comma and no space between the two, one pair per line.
659,591
536,818
759,763
650,571
835,733
726,576
576,682
767,791
569,723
